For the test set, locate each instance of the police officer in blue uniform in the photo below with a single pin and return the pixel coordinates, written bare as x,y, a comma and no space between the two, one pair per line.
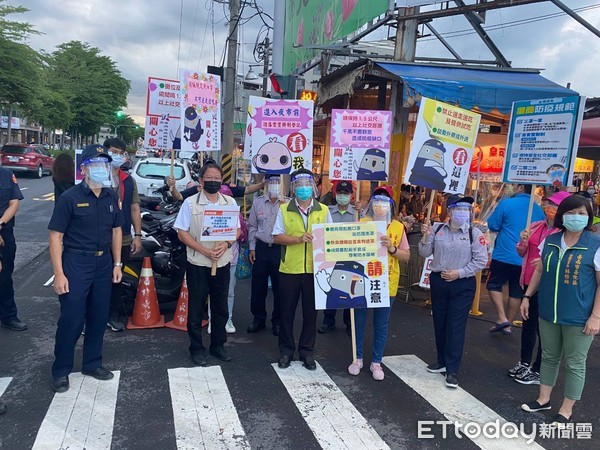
85,229
10,195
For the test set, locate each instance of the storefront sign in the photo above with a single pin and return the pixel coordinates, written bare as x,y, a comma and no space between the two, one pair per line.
442,147
350,266
281,135
541,140
584,165
15,123
200,111
489,154
360,145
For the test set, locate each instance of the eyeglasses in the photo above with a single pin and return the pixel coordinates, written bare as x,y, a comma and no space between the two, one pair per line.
219,179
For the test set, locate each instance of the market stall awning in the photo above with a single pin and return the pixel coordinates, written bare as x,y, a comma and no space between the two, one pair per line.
589,141
484,88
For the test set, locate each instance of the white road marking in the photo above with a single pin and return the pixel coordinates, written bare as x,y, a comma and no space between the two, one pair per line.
456,404
4,382
204,413
333,419
82,417
24,188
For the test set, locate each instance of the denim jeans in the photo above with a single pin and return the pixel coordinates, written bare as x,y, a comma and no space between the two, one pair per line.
381,317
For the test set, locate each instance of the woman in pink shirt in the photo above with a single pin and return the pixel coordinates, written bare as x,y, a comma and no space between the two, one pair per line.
525,372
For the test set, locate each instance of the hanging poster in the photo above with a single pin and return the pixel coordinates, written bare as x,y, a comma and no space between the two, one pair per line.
163,97
220,223
350,265
282,135
442,147
200,111
541,139
360,145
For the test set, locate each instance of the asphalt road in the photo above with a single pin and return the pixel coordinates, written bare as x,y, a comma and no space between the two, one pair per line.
160,401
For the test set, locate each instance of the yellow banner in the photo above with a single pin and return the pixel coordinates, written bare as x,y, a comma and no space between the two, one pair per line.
351,241
450,123
584,165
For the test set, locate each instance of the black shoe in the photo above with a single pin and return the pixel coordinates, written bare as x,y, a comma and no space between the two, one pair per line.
2,407
451,380
199,358
560,420
275,330
60,384
99,374
255,327
436,368
309,362
284,362
220,353
326,328
534,406
115,325
15,325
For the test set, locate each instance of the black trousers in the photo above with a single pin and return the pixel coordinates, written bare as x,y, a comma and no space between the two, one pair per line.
200,285
116,300
329,317
8,307
266,265
292,286
450,302
530,333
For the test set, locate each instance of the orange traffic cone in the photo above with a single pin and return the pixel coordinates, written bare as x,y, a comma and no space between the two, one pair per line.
179,321
145,312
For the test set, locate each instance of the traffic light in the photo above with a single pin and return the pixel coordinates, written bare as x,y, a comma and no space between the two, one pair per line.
283,85
120,114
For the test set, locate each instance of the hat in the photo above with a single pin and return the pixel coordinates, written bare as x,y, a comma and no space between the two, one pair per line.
95,151
458,198
343,186
300,173
384,190
375,152
558,197
590,183
272,176
350,266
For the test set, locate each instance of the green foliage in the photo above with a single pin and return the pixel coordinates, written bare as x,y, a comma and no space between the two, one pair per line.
20,74
11,30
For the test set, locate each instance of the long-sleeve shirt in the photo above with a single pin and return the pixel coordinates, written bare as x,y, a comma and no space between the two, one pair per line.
453,251
508,220
530,250
261,220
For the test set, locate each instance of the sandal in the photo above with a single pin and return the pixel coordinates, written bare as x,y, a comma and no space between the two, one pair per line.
506,331
499,327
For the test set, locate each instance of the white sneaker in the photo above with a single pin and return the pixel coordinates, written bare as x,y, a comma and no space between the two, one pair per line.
229,328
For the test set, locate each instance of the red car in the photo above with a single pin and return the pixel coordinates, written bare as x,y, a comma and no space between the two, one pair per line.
30,158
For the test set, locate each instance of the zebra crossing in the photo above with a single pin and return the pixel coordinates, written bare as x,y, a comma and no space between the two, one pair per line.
205,416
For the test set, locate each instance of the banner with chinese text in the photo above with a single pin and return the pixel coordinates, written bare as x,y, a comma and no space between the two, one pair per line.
281,135
200,111
350,265
163,97
541,139
220,223
442,147
359,146
161,133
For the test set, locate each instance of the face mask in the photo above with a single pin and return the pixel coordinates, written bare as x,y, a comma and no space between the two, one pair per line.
212,187
550,213
117,160
575,222
591,191
303,193
459,217
342,199
273,190
381,209
98,174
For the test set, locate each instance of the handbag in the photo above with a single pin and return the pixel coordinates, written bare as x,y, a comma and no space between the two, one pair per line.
243,269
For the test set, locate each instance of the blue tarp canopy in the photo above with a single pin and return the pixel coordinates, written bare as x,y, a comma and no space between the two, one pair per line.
488,89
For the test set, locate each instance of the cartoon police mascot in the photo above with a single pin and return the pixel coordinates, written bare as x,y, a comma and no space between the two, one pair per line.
192,130
345,287
428,170
372,166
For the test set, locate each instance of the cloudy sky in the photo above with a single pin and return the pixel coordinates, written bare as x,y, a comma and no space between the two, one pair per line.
142,37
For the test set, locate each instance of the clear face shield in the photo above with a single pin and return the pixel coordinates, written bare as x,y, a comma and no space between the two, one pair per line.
303,187
380,208
98,172
273,187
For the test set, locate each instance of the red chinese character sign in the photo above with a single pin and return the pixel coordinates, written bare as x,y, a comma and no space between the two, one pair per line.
442,147
162,133
489,154
359,145
350,265
200,111
279,135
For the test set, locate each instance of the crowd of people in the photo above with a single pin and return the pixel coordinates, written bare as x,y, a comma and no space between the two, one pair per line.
551,268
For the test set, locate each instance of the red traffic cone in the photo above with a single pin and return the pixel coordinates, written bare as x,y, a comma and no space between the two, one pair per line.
179,321
146,313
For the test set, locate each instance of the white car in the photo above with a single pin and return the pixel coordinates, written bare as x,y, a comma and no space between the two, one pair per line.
141,153
151,174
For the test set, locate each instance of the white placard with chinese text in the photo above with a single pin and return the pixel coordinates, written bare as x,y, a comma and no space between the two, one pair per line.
220,223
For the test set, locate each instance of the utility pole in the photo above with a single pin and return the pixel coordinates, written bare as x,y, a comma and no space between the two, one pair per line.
265,67
230,78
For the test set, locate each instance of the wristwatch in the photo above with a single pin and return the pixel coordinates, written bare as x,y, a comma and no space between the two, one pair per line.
526,296
137,235
119,264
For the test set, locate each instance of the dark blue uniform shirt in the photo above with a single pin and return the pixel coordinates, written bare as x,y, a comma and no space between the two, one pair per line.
237,191
85,220
9,190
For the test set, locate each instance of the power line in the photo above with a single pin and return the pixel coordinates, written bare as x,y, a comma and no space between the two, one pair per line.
187,62
179,44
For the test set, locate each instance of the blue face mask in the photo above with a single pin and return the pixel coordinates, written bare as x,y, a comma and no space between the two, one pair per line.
98,174
575,222
303,193
459,217
117,160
